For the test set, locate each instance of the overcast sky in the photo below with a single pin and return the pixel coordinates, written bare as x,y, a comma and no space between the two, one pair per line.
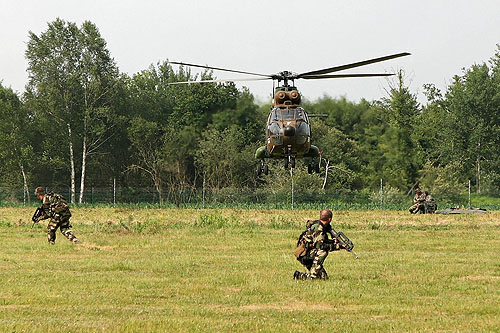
268,36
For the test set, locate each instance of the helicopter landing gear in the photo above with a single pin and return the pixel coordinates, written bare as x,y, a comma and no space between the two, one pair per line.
313,167
262,168
290,162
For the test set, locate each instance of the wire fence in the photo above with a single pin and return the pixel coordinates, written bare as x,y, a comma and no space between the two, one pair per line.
264,198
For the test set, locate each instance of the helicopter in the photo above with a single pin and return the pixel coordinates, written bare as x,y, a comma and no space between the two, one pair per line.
288,128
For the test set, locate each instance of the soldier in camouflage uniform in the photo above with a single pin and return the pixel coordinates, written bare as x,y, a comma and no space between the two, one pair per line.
318,246
56,207
418,201
430,203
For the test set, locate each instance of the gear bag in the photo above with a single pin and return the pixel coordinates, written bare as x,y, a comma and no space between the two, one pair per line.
59,205
304,242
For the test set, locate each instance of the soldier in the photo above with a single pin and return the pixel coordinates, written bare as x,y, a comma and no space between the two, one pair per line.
56,207
418,201
430,203
317,247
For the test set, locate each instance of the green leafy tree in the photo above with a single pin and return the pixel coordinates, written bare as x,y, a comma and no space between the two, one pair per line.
16,149
225,158
397,154
147,142
73,81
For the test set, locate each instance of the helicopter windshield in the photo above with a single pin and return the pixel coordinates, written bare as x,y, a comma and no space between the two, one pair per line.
301,114
275,129
276,115
288,114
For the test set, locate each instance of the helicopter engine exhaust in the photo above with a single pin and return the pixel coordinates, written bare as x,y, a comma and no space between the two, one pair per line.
289,131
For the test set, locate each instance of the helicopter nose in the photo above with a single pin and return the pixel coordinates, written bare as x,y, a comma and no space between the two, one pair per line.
289,131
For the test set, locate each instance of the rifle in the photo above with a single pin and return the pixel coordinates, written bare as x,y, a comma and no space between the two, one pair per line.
344,241
38,214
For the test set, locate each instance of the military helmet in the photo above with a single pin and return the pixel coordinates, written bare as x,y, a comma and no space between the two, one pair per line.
39,191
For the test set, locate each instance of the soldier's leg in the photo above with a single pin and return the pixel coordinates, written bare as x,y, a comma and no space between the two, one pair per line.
413,209
307,261
322,274
317,266
51,231
67,232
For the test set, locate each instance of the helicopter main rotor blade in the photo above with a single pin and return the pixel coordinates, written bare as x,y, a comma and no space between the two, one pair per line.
222,80
339,76
353,65
219,69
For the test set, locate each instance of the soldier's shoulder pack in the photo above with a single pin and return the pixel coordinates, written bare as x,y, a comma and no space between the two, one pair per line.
58,203
304,242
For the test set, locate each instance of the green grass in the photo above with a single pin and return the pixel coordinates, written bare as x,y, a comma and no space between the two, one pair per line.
154,270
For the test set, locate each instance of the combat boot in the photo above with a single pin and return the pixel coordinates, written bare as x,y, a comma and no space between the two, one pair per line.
296,275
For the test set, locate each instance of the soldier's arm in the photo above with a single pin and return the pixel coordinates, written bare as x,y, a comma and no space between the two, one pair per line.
46,212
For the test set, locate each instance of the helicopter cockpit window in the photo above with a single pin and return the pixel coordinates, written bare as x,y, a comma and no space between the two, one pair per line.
288,114
275,129
301,114
276,115
303,128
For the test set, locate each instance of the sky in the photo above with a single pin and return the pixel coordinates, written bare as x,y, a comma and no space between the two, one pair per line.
269,36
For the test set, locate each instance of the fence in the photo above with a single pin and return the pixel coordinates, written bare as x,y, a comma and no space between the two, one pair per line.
252,198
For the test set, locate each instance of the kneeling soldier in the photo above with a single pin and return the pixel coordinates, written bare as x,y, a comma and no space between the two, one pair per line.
56,207
316,247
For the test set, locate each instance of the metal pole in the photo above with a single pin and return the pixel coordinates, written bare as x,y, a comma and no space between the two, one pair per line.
469,194
114,191
381,193
203,191
291,176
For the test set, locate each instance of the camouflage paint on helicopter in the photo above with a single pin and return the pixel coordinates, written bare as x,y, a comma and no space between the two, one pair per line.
288,131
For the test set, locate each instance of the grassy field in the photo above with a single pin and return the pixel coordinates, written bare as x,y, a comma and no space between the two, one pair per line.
149,270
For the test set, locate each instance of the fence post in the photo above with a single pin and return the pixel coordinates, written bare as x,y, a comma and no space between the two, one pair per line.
203,191
381,193
469,194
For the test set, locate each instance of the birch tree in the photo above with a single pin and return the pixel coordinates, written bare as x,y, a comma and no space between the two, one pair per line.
71,81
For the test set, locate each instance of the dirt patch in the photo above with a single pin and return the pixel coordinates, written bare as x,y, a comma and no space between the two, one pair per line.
296,306
480,277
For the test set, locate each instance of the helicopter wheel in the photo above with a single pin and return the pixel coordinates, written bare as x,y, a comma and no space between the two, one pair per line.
286,163
265,170
309,168
292,162
316,168
258,171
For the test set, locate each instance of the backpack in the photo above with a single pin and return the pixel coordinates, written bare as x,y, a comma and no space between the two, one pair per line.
304,242
59,204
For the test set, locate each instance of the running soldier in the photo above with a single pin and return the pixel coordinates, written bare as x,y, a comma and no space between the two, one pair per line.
317,245
418,202
55,207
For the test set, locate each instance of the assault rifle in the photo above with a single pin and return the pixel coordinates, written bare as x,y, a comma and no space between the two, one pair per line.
36,216
344,242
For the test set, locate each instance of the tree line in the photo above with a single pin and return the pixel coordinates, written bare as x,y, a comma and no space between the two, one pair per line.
81,121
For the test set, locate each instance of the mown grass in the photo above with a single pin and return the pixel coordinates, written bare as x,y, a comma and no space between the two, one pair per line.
158,270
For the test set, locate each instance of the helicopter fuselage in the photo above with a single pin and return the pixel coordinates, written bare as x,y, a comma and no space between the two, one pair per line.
288,130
